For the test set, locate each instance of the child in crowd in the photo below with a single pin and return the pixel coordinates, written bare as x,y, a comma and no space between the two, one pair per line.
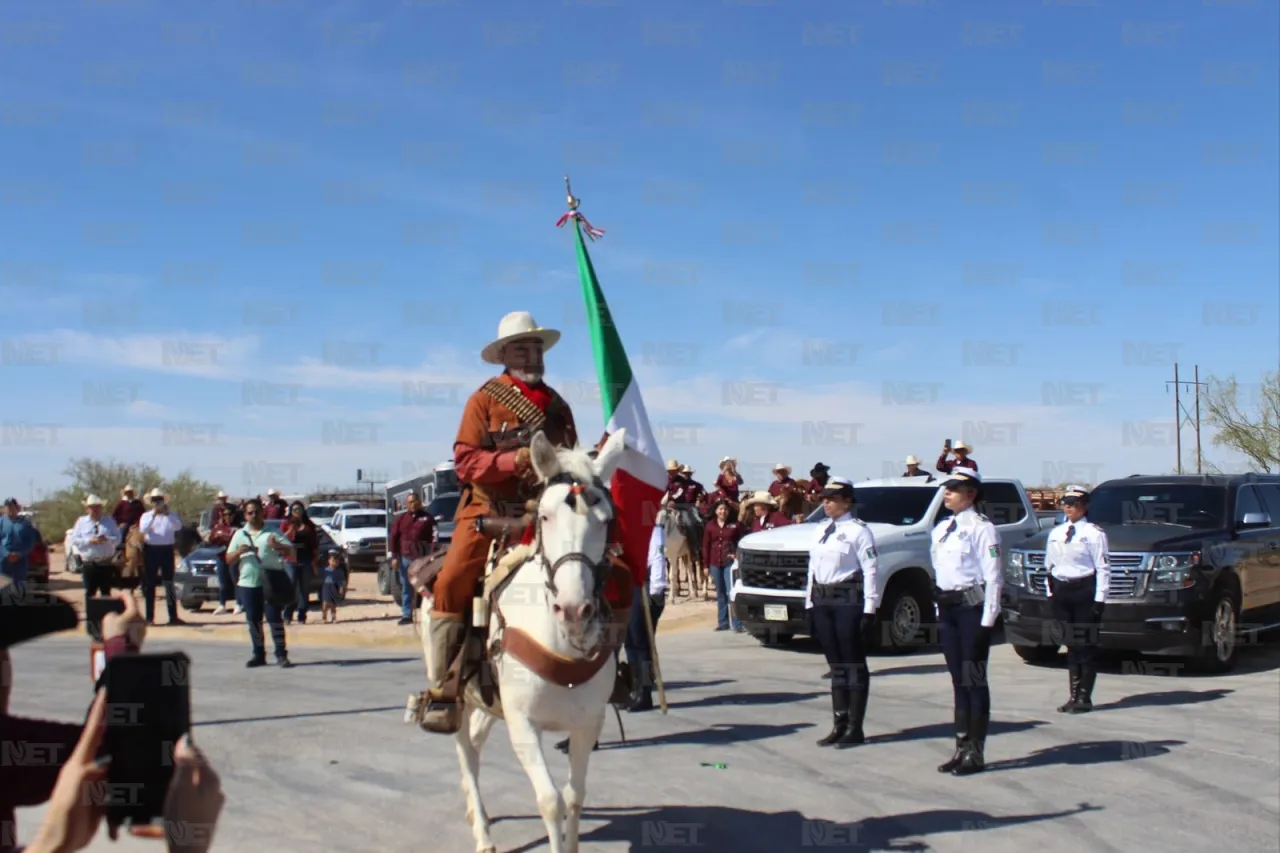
333,583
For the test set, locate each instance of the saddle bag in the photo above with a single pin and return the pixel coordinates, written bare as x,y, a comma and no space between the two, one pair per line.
423,571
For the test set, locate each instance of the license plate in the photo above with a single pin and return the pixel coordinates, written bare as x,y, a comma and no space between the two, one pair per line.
775,612
213,582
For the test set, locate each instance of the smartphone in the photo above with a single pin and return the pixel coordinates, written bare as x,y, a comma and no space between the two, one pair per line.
148,712
95,610
946,445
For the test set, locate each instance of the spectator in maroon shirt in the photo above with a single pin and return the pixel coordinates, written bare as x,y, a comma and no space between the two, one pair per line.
782,477
675,485
301,531
127,511
962,460
765,512
220,533
275,506
818,476
693,490
412,534
729,481
719,550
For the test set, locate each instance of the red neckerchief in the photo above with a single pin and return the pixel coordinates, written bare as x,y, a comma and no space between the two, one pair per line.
540,395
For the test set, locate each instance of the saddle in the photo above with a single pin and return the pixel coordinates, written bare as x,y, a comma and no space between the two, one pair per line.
472,674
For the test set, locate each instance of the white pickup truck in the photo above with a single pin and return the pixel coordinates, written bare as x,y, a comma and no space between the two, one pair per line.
768,580
361,534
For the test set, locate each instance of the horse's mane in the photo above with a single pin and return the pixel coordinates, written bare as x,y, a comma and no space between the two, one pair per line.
576,462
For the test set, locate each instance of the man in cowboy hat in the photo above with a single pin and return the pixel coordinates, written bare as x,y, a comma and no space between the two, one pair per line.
96,537
675,483
276,507
160,527
496,478
127,510
693,490
729,481
818,476
782,479
914,470
962,460
765,512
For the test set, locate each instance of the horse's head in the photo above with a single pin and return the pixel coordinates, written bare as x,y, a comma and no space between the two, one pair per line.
574,513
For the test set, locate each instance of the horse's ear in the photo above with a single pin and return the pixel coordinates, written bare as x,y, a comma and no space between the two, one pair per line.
610,455
542,453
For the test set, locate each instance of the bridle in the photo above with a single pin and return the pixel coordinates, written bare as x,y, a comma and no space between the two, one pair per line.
599,568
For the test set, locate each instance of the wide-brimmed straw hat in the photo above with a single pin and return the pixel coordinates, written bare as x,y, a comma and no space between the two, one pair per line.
516,325
960,445
728,460
912,460
93,500
761,498
685,469
673,465
155,493
786,469
127,489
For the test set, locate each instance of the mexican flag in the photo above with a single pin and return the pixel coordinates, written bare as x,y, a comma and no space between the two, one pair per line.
641,480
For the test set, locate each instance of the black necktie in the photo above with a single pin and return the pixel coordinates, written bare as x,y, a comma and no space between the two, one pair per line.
1071,531
951,528
826,534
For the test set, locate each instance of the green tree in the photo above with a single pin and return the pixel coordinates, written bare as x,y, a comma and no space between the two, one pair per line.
1246,419
57,513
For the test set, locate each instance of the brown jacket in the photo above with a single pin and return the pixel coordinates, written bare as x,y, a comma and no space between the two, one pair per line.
489,436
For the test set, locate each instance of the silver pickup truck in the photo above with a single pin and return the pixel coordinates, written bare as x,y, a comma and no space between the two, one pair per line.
768,580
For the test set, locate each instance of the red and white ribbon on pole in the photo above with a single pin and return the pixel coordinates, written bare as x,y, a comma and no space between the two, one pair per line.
592,232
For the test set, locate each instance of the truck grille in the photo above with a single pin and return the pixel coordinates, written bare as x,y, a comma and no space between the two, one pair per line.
1128,575
204,567
788,571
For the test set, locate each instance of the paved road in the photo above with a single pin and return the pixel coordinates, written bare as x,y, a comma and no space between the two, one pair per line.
317,759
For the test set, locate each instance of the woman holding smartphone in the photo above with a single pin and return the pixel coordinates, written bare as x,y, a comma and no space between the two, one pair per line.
257,550
301,531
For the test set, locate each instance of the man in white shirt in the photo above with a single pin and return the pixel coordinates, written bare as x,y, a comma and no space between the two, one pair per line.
160,527
639,652
96,538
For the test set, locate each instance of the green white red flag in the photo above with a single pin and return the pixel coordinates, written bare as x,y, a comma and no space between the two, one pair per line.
640,481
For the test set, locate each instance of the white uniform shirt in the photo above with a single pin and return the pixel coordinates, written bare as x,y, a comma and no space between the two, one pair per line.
847,550
657,561
966,554
159,528
1087,553
86,529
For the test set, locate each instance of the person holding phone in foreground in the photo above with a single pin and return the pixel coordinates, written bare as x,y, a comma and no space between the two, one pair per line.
71,819
258,551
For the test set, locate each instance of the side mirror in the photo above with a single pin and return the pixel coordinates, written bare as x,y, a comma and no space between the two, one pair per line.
1255,519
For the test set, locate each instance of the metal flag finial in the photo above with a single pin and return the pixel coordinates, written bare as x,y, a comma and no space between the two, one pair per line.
573,202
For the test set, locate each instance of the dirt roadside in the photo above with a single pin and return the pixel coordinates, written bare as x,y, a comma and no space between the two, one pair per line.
366,620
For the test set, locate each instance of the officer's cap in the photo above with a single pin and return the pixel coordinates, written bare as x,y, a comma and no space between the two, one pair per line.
838,487
963,476
1075,494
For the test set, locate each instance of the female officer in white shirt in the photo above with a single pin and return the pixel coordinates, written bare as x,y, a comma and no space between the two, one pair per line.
966,564
1078,559
841,599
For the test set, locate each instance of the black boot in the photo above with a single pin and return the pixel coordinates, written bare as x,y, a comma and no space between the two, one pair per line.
1073,680
839,715
962,741
1084,691
857,713
643,700
974,759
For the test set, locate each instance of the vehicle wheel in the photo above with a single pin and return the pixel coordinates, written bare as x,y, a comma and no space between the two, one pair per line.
1037,654
773,639
1220,644
73,564
195,605
395,590
384,578
907,609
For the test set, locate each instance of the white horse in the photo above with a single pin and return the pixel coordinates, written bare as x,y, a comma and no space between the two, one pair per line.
554,599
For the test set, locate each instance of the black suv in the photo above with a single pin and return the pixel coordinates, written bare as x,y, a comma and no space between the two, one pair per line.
1195,565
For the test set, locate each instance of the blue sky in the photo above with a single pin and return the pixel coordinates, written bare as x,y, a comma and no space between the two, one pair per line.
881,226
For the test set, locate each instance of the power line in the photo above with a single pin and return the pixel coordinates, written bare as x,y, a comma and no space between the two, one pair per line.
1182,417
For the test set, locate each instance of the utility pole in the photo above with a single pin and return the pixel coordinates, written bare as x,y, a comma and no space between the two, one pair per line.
1182,417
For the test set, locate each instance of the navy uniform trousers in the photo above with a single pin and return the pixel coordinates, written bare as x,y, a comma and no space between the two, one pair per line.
1074,610
836,618
966,647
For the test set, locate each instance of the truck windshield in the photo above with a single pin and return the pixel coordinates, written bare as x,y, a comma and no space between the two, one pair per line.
351,522
899,505
444,507
1200,507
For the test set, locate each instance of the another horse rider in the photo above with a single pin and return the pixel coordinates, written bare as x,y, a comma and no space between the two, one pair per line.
496,478
765,515
694,491
914,470
781,479
841,599
961,452
966,561
675,483
818,476
729,481
1077,556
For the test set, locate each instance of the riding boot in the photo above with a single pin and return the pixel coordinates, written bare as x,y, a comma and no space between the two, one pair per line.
624,688
857,713
1084,692
840,716
643,700
974,758
442,715
962,741
1073,679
